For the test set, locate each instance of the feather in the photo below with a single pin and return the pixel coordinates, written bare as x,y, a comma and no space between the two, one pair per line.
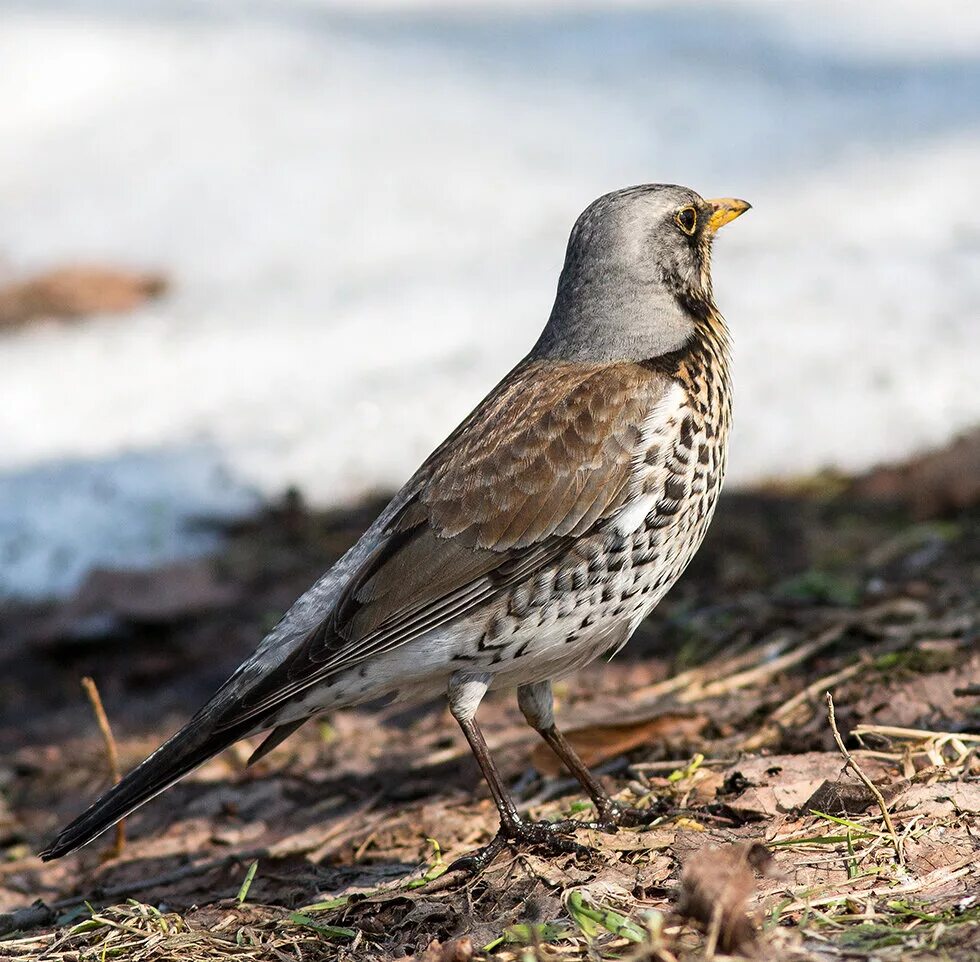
274,739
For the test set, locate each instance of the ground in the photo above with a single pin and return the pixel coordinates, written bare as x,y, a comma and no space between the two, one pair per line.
335,845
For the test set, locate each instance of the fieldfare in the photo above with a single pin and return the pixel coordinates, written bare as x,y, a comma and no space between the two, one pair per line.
536,537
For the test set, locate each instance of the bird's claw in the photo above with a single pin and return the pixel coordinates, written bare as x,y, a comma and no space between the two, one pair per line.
626,816
614,816
477,862
553,838
549,837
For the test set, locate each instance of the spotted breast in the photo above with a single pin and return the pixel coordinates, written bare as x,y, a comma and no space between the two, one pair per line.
591,600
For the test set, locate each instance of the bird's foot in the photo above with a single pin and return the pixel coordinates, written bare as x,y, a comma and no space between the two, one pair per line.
551,838
613,815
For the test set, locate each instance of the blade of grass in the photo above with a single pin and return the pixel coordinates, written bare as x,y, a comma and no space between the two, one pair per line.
247,881
328,931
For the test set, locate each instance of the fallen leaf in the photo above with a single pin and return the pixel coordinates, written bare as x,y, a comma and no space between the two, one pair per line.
757,802
943,799
635,841
846,796
458,950
553,872
780,784
706,786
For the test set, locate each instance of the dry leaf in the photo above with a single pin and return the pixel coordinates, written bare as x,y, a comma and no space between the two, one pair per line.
458,950
845,797
636,841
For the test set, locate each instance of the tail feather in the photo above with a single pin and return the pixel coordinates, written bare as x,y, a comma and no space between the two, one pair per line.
274,739
178,756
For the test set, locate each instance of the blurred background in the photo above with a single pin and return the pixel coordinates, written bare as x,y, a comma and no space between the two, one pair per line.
294,241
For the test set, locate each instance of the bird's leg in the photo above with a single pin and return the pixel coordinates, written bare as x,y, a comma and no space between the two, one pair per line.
537,704
465,694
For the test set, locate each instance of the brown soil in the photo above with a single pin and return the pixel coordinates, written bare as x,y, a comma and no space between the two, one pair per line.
766,847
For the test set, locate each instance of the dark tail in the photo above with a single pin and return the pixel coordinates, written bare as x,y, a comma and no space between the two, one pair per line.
190,747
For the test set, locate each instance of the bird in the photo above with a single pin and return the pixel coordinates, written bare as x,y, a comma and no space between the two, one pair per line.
534,539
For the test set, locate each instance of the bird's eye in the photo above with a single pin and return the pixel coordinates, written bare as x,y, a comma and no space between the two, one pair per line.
687,220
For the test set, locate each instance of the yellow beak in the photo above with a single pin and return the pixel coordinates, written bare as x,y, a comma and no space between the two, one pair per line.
725,209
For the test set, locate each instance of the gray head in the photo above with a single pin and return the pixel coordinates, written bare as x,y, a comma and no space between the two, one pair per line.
637,274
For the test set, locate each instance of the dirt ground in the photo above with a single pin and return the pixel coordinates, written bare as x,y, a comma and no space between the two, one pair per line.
334,846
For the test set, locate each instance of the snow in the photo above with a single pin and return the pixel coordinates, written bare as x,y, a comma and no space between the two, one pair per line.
363,209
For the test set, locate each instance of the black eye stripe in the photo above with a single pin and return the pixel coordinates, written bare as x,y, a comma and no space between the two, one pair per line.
687,220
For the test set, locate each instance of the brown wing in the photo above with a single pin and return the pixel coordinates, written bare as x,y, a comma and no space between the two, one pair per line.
546,458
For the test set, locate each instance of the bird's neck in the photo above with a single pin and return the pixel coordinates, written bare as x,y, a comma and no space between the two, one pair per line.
616,320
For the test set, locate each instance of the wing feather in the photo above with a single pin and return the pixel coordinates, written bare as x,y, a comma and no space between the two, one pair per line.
548,457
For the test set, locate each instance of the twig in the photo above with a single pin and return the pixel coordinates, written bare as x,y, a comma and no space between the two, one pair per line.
767,669
914,734
714,930
870,785
91,689
714,668
785,712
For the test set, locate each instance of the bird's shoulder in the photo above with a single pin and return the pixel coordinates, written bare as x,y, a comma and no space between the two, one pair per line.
548,452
